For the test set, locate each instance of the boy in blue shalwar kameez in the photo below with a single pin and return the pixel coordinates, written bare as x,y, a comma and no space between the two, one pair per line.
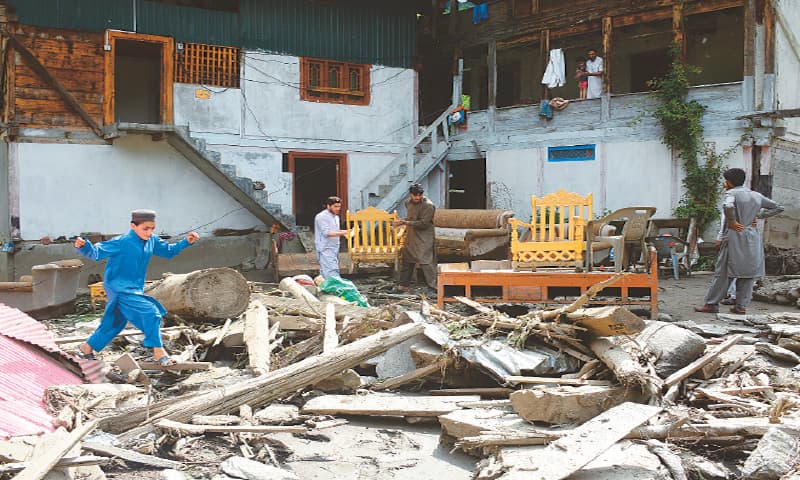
128,256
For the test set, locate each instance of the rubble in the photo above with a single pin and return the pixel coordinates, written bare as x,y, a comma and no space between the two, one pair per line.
575,392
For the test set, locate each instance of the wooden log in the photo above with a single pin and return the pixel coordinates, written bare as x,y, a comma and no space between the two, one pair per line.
385,405
554,381
39,466
624,367
315,310
256,337
686,371
176,367
288,284
263,389
733,400
131,456
212,293
215,419
583,444
82,461
498,392
192,429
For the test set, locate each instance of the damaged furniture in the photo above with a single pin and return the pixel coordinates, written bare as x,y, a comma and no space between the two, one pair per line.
470,233
675,240
556,232
373,238
629,240
49,291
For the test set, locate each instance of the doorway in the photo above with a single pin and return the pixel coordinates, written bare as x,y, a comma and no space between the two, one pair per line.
466,184
316,176
138,78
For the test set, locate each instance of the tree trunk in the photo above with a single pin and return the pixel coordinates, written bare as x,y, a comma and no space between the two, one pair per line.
213,293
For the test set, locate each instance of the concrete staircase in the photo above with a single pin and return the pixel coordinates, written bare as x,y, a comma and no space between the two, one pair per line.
210,163
389,187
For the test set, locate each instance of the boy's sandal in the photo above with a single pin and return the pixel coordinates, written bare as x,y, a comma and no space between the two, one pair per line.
738,310
85,356
166,361
729,301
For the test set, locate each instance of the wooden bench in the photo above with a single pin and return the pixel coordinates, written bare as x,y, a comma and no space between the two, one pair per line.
372,238
557,231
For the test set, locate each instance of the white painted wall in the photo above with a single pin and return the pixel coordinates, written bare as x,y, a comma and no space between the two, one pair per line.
66,189
787,60
623,174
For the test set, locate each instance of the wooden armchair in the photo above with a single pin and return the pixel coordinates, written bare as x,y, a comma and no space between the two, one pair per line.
372,238
557,231
632,236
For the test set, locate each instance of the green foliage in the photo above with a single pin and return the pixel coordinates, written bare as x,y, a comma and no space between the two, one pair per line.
681,121
705,262
463,329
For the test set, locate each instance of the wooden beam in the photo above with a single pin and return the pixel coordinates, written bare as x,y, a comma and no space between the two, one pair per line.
491,63
39,467
684,372
554,381
678,30
193,429
544,53
130,455
256,337
408,377
608,52
330,339
82,461
749,39
44,73
769,47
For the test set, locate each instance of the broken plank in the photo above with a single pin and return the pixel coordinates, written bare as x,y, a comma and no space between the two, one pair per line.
583,444
686,371
733,400
193,429
216,419
130,455
39,466
222,332
385,405
330,339
256,337
296,322
496,392
738,390
556,381
408,377
178,366
82,461
607,321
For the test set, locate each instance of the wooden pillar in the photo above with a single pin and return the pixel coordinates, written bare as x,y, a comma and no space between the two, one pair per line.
453,17
678,30
748,80
544,51
769,57
608,52
458,77
534,7
491,63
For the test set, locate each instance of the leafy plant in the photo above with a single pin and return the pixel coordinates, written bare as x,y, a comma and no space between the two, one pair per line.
681,121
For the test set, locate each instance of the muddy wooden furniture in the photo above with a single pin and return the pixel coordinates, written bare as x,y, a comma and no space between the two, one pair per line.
48,292
549,287
557,231
372,238
631,237
471,233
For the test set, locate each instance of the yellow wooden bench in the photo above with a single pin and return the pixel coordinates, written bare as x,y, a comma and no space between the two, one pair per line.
557,231
372,238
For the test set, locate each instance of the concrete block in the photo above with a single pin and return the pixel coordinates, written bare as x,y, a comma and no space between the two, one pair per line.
775,455
560,405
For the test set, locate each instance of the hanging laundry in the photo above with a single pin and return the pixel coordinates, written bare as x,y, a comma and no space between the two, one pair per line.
555,74
480,12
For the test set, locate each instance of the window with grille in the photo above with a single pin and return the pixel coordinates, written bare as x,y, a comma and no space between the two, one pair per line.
207,65
334,82
572,153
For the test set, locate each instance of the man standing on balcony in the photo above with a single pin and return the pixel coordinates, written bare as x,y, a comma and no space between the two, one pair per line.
594,75
420,243
327,232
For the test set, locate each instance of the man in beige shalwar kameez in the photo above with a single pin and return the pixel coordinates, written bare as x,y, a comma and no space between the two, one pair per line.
420,248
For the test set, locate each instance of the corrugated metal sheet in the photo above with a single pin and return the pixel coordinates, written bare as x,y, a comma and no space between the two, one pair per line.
18,325
356,31
361,31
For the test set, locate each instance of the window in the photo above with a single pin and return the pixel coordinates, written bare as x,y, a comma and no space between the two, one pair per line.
573,153
207,65
334,82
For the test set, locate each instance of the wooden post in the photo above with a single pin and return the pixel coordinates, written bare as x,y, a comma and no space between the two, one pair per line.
544,52
678,31
458,78
453,17
748,81
608,45
491,62
768,99
534,7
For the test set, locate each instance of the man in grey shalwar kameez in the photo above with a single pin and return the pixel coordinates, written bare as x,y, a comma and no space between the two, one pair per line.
741,254
420,238
326,237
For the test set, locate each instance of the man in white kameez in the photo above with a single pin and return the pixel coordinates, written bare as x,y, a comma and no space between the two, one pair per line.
594,75
741,254
327,231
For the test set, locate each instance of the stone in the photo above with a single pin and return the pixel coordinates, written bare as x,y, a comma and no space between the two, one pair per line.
277,414
775,455
778,353
170,474
347,381
246,469
561,405
673,347
397,360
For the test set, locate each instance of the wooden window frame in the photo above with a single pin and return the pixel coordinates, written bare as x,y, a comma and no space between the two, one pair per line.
325,92
212,65
167,72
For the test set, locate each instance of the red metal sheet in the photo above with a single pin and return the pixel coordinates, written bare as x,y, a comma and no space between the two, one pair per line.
18,325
